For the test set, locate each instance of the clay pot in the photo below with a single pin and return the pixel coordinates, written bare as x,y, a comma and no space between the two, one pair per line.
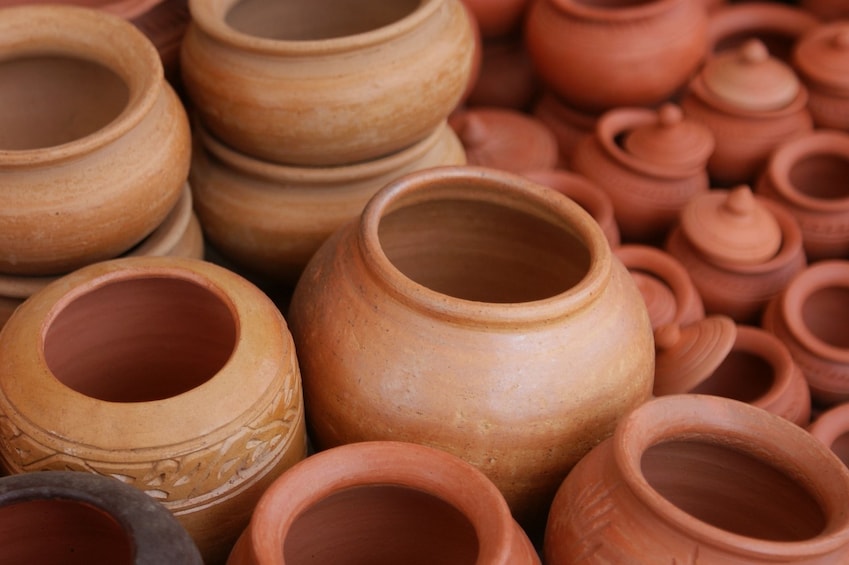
505,139
498,18
270,219
666,286
165,25
174,375
650,163
295,83
472,310
102,152
84,519
507,78
809,316
568,124
599,55
831,428
826,10
696,478
737,261
808,176
383,502
586,193
821,58
752,102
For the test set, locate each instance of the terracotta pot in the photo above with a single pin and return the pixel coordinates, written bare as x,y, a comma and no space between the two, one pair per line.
207,410
270,219
695,478
650,163
601,55
831,428
821,58
294,83
83,519
808,317
752,102
734,274
102,153
498,18
454,287
807,175
383,502
826,10
666,286
507,78
568,124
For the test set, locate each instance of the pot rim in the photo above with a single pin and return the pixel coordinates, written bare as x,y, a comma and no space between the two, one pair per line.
831,424
585,11
733,19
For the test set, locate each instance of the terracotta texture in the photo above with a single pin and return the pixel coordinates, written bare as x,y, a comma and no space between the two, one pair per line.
419,324
174,375
383,502
102,152
270,219
826,9
696,478
498,18
507,78
821,58
832,428
598,55
568,124
84,519
352,85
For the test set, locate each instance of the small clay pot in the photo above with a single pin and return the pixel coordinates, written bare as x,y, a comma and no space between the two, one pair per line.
808,176
498,18
507,78
808,316
83,519
294,83
693,478
174,375
821,58
832,428
568,124
383,502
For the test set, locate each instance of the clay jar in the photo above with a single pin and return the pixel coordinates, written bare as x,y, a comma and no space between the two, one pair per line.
808,176
383,502
740,249
809,317
101,153
832,428
650,163
751,102
696,478
173,375
474,311
598,55
84,519
269,219
309,84
821,58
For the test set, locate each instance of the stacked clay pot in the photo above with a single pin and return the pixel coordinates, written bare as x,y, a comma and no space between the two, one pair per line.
302,101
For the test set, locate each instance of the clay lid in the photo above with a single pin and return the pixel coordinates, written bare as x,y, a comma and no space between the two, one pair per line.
750,79
823,55
672,140
686,356
731,227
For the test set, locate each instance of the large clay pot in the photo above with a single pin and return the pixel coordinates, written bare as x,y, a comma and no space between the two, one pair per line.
700,479
598,55
310,84
94,143
474,311
174,375
74,518
383,502
821,58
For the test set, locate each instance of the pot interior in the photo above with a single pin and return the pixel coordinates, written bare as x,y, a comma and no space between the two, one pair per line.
57,531
483,251
732,490
140,339
825,313
840,447
380,525
50,100
821,176
742,376
289,20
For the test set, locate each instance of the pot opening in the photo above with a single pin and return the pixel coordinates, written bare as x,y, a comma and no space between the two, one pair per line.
140,339
840,447
381,524
733,490
741,376
825,312
482,251
315,20
62,531
50,100
821,176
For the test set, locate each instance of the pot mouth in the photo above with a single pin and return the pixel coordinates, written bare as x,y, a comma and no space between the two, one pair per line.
615,10
482,246
714,467
810,171
365,23
58,50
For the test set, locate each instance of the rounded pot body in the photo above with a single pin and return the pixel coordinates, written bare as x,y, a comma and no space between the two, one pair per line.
498,18
276,84
477,312
568,124
174,375
102,153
